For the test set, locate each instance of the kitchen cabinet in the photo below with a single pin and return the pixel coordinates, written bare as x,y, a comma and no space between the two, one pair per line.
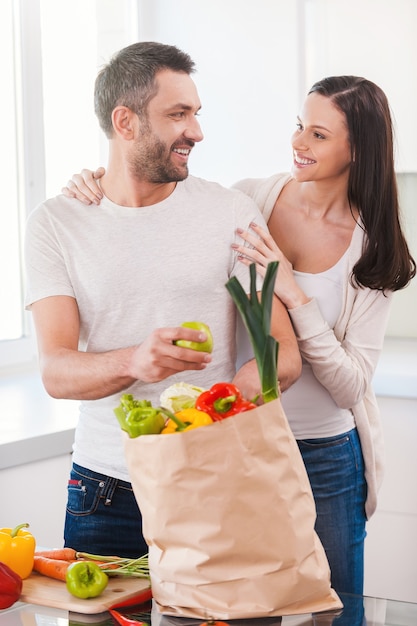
35,493
391,544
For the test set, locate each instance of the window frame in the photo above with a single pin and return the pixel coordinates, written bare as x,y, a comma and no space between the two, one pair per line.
30,153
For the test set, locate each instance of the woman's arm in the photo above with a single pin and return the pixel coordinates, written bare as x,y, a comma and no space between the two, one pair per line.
343,359
264,250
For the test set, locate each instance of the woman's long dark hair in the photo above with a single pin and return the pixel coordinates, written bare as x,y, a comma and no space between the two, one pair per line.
386,262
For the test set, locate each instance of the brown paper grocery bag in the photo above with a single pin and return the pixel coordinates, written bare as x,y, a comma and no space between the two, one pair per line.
229,515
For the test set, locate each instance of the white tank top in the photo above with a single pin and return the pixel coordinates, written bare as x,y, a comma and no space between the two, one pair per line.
310,409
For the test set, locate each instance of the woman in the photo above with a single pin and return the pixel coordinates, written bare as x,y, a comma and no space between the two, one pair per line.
334,227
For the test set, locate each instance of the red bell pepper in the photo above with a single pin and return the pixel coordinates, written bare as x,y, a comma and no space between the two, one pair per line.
126,621
10,586
223,400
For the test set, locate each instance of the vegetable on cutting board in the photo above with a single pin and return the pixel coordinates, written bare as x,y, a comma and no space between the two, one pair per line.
10,586
51,567
17,549
126,621
49,563
85,579
119,566
65,554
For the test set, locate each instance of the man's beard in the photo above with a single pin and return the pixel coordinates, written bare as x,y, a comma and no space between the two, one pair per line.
151,161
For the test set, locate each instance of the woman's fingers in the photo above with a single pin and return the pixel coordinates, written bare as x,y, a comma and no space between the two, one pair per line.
100,171
261,251
84,186
87,183
262,241
73,191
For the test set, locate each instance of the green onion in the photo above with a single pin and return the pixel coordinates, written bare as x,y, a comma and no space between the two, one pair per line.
256,316
119,566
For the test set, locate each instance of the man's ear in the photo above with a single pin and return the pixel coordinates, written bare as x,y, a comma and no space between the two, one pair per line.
124,122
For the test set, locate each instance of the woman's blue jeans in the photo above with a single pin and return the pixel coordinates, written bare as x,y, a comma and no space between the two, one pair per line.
102,515
335,468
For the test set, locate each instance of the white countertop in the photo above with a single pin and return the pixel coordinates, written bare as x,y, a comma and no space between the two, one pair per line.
34,426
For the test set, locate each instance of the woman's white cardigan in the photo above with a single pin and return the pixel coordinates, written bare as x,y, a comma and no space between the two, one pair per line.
344,358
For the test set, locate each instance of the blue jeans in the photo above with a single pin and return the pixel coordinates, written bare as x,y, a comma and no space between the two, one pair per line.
102,515
335,468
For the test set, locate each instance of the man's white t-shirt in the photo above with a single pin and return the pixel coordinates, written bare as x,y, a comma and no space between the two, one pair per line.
132,270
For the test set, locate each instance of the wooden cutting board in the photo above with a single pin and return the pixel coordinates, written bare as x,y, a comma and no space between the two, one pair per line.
38,589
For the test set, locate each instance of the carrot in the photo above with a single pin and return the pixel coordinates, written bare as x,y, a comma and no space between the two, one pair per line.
106,565
53,568
63,554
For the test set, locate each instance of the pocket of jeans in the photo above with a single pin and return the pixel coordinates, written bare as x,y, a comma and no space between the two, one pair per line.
84,495
327,442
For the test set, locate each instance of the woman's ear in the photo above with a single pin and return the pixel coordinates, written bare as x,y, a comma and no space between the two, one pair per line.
124,122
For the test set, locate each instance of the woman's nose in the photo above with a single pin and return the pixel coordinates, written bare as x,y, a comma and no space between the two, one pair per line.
298,141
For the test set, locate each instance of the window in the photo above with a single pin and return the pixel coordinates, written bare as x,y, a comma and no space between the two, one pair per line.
50,53
11,316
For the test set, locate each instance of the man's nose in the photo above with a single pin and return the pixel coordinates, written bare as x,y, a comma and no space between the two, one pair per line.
194,131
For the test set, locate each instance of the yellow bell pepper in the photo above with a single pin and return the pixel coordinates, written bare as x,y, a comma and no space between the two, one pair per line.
187,419
17,549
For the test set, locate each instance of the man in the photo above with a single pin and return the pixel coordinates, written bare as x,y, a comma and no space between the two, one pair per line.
109,286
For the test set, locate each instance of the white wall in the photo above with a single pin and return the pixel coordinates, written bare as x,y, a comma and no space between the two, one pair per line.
256,61
375,39
247,60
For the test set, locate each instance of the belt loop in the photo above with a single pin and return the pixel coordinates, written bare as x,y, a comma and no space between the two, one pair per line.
109,490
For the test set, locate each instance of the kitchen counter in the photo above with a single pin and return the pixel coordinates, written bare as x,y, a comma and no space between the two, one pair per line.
396,372
378,612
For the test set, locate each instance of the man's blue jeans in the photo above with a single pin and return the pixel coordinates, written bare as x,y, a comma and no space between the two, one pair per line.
335,468
102,516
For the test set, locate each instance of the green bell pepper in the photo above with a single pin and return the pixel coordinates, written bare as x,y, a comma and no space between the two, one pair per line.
138,417
84,579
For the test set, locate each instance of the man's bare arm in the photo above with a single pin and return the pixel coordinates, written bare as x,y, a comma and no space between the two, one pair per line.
70,373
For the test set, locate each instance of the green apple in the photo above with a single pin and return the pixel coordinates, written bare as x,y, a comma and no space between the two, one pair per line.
204,346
